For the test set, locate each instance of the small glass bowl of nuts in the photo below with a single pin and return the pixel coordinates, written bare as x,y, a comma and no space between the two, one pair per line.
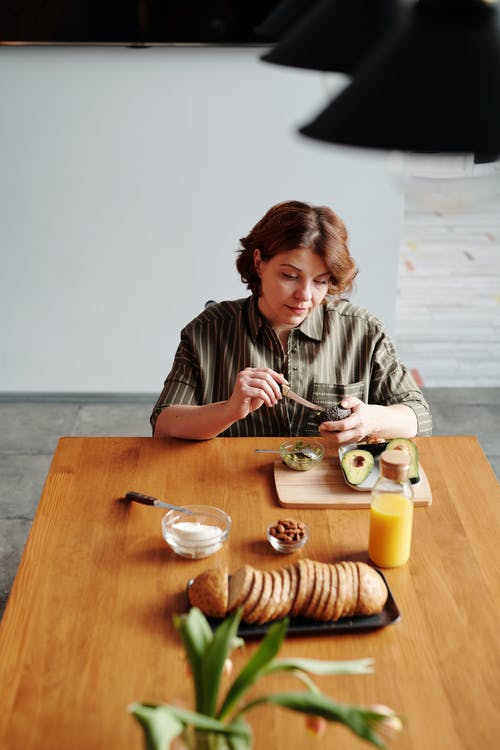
287,535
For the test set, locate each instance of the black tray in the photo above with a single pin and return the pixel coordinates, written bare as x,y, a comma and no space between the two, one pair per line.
302,626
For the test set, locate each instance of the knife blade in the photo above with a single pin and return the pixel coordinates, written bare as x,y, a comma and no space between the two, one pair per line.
285,389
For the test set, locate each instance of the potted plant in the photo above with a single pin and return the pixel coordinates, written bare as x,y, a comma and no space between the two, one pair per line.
219,723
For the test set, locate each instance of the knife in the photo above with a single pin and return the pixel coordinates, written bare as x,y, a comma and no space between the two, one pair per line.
295,397
139,497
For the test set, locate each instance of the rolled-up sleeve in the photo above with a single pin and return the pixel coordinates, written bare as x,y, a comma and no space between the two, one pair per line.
182,385
392,383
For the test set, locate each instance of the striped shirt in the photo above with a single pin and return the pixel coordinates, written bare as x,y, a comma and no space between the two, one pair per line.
338,350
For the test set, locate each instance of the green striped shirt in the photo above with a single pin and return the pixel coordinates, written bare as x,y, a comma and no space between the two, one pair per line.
339,350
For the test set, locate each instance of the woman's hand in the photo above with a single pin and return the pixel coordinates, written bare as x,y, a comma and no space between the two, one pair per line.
392,421
253,388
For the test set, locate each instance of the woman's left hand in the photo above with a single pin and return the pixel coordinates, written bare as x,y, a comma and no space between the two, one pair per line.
353,428
392,421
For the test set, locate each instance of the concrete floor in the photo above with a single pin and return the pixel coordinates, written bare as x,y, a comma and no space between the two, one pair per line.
31,427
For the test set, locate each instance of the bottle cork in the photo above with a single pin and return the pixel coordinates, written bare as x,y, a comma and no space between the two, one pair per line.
395,464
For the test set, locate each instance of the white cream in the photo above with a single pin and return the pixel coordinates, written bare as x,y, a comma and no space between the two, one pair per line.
194,539
192,532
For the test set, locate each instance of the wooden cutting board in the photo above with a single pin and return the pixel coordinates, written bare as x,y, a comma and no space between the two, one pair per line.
324,487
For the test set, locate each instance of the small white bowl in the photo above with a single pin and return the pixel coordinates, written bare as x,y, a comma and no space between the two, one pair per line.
196,534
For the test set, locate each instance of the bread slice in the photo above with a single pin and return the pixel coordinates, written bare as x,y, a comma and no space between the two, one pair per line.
269,611
319,614
317,590
332,594
294,584
350,602
355,582
309,584
209,591
239,587
303,592
372,590
254,594
263,602
283,604
342,592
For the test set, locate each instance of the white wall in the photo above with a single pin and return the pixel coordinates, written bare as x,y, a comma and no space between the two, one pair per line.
127,177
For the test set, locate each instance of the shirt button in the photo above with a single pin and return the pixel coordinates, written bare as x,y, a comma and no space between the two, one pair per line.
294,368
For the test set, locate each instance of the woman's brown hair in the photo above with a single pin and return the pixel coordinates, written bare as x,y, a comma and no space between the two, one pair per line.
294,224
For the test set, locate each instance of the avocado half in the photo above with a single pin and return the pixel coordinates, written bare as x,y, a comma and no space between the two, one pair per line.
357,464
404,444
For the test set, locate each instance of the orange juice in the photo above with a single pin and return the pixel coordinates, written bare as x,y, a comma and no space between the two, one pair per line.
391,522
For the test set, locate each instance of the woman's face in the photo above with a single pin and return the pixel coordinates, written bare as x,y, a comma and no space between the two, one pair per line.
293,283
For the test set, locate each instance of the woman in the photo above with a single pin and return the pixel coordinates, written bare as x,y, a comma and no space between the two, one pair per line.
295,328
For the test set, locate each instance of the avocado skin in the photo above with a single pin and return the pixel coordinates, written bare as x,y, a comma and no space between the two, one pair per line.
353,473
408,445
333,414
374,448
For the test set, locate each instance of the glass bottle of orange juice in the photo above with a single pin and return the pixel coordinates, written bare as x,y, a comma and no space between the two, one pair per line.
391,511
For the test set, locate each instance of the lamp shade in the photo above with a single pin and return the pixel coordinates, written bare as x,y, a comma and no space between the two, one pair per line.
335,35
283,17
433,87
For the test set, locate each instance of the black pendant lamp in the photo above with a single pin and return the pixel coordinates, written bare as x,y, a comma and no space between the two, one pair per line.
336,35
284,17
434,86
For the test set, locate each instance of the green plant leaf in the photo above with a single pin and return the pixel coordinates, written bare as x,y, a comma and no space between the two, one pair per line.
360,720
196,635
320,667
209,724
194,627
255,666
159,724
240,742
162,723
213,660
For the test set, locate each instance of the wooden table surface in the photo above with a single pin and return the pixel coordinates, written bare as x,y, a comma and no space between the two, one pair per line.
88,626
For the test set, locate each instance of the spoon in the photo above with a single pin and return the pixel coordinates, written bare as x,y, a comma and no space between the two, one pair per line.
139,497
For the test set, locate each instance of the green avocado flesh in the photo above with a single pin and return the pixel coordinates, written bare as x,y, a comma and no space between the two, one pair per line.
357,464
403,444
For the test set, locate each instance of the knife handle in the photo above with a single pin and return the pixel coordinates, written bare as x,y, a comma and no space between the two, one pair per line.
139,497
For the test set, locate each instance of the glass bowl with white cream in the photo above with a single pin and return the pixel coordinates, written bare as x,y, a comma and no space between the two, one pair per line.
197,533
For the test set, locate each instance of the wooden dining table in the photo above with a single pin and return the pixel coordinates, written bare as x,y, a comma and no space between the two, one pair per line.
88,628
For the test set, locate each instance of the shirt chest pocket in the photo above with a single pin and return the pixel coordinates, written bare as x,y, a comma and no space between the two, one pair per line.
327,395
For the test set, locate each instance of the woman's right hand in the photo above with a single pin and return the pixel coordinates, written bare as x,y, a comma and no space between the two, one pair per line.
253,388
